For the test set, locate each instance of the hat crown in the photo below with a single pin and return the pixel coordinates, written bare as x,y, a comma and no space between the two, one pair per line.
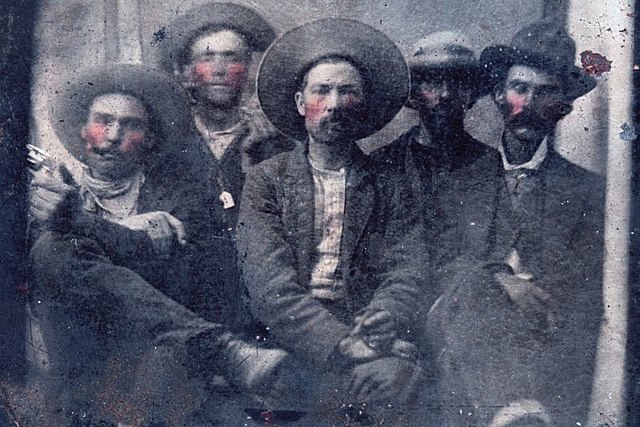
546,43
443,49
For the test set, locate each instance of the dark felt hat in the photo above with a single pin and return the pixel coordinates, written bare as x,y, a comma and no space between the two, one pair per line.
542,45
166,102
284,65
255,30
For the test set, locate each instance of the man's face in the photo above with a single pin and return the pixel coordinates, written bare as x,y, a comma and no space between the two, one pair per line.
116,134
532,102
332,102
218,67
441,96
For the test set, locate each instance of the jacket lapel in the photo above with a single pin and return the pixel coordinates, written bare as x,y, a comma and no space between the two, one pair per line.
298,208
359,203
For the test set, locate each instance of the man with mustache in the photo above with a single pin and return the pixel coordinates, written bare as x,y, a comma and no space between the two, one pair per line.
210,49
332,253
521,322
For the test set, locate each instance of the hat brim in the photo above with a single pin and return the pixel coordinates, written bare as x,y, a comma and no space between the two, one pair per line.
255,30
496,61
373,53
167,104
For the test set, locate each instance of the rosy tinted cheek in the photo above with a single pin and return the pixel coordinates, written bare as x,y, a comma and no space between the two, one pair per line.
236,74
132,141
95,135
314,109
516,103
352,101
203,72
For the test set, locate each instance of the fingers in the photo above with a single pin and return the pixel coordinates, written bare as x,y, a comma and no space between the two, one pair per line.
378,319
44,201
178,228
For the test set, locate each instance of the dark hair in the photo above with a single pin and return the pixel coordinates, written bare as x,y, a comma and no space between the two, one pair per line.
333,59
184,56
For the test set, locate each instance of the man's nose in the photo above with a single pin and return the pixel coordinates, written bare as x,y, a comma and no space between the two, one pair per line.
332,100
219,65
445,90
113,132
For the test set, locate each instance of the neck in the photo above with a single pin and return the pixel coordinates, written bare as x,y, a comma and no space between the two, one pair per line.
110,180
218,119
440,131
331,157
518,151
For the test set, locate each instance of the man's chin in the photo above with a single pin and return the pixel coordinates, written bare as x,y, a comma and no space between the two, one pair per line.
218,97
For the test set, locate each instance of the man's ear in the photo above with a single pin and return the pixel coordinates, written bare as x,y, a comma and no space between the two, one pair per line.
300,104
83,132
498,94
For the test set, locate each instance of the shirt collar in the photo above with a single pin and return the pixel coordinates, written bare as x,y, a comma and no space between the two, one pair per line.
533,164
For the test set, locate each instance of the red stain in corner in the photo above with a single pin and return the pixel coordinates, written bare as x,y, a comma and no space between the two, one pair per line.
594,64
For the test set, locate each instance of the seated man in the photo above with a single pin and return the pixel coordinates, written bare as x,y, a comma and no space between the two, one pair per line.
332,254
521,323
445,166
115,259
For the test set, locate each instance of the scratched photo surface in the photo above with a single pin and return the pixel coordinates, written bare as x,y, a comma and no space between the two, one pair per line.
319,213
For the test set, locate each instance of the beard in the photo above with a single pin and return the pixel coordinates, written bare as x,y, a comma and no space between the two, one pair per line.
443,120
339,127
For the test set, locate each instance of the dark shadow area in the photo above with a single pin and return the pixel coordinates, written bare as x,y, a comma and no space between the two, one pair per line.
16,32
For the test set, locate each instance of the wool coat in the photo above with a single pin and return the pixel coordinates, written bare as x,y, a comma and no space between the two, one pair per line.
382,256
110,308
491,354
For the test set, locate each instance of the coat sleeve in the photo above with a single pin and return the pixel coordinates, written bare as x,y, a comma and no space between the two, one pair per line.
405,282
299,322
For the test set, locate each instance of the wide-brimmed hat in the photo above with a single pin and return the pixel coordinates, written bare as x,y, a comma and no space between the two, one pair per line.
255,30
379,60
542,45
166,102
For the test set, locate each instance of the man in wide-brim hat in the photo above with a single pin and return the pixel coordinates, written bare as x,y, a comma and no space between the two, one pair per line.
112,271
529,317
210,50
331,252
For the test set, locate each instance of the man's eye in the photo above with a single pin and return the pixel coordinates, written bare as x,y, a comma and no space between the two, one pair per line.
321,90
520,88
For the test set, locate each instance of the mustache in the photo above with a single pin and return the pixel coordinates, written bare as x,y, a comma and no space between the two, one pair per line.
344,119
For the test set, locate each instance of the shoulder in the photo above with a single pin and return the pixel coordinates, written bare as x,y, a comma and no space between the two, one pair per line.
571,174
394,153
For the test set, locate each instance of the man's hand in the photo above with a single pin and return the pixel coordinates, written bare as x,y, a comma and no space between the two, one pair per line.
355,349
48,191
530,299
377,328
160,226
389,380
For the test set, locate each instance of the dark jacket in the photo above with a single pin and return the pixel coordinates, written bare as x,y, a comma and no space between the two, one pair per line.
443,185
486,336
108,304
220,281
382,253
